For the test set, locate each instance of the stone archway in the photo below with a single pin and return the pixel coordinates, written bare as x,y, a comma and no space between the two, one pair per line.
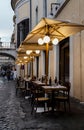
7,55
6,59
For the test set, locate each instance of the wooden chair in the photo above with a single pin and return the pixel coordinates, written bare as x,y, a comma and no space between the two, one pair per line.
39,99
20,87
64,96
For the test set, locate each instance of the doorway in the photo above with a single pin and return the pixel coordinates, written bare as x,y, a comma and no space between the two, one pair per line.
64,60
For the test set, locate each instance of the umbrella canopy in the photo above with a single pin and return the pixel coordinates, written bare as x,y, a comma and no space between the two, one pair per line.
22,56
53,28
32,46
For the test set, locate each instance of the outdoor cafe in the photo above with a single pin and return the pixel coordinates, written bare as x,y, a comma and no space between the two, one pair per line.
43,38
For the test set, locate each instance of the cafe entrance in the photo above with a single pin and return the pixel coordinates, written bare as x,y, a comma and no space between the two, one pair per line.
64,60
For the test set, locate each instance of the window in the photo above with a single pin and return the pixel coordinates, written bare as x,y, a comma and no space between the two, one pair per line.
22,31
36,14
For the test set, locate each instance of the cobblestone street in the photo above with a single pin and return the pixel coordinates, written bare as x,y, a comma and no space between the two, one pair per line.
15,113
10,111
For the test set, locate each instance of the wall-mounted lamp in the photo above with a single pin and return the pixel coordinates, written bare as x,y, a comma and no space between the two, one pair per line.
56,4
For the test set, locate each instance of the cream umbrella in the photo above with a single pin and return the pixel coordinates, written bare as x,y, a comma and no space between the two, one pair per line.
55,30
24,58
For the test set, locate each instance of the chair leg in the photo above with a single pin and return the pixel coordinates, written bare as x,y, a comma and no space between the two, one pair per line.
58,105
69,106
48,106
44,107
65,106
32,108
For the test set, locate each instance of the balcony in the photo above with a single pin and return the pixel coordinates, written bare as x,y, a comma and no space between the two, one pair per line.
6,45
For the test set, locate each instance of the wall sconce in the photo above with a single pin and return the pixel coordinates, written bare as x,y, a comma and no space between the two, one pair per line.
58,4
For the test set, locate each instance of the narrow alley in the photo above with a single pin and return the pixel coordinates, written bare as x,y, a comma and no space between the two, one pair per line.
15,113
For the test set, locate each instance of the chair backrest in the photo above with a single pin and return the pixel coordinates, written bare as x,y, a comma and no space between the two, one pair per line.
61,82
68,86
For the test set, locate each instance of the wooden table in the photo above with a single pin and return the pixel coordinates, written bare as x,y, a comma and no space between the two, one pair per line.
53,89
38,83
27,80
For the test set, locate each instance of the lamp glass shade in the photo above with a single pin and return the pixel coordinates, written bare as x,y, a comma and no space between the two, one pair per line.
55,41
28,52
25,57
40,41
46,39
37,51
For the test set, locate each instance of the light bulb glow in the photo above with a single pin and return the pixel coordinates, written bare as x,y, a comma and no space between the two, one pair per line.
25,57
55,41
28,52
40,41
46,39
37,51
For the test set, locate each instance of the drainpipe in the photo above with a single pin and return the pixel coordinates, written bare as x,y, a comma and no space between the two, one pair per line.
30,15
45,8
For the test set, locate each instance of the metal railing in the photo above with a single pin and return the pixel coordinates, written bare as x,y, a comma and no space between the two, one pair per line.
6,45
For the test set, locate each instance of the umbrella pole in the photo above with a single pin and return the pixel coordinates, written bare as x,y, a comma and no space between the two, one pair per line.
24,70
27,68
47,49
32,67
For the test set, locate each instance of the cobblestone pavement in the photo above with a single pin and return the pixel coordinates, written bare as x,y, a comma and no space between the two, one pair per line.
15,113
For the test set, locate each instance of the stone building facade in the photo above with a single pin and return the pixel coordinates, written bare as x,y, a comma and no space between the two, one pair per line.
66,61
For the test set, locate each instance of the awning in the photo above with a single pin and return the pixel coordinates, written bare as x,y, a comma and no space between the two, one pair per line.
54,28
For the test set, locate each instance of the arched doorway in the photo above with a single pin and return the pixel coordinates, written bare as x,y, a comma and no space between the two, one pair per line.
7,61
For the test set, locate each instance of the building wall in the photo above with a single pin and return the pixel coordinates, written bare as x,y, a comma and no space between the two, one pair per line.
41,65
24,8
73,12
37,4
52,63
22,11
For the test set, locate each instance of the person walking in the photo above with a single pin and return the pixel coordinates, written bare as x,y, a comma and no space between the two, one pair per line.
8,74
15,74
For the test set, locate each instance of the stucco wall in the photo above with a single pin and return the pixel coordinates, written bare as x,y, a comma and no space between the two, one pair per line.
24,8
39,4
52,63
70,12
41,65
73,12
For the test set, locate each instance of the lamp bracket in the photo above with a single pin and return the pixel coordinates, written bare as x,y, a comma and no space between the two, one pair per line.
58,4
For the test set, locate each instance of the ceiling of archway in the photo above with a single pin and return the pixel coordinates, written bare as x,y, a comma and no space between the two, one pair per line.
7,55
